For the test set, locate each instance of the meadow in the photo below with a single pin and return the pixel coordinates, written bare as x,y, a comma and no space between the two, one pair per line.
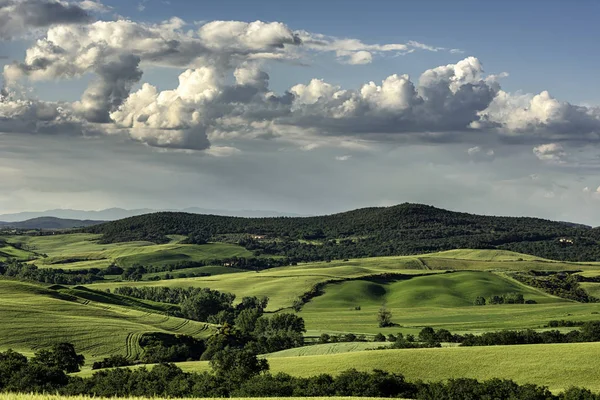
431,297
436,290
523,364
33,317
82,250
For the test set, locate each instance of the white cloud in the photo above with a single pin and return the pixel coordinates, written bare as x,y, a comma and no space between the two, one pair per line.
550,152
477,153
94,6
343,158
450,103
360,57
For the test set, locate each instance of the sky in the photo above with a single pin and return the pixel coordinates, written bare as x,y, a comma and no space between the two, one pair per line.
309,107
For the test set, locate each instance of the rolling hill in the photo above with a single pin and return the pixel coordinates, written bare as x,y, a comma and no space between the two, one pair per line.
49,223
399,230
34,316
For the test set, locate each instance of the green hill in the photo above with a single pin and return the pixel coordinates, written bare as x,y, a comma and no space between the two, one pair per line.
458,289
80,251
399,230
558,366
33,316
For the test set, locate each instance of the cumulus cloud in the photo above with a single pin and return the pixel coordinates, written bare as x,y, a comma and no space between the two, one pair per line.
33,116
224,94
110,89
550,152
540,115
479,154
18,17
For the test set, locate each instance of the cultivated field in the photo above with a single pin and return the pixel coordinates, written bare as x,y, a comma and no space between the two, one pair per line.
34,317
435,290
557,366
438,299
82,250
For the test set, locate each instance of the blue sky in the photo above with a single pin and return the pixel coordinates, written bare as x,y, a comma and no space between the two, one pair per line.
308,112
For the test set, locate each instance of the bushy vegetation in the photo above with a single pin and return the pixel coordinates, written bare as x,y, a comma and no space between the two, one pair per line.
239,373
508,298
199,304
398,230
28,272
561,284
589,332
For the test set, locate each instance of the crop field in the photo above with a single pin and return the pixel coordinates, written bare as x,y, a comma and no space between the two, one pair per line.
525,364
82,250
7,251
285,284
32,317
328,348
439,299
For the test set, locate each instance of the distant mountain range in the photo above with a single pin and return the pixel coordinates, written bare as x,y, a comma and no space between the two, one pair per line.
112,214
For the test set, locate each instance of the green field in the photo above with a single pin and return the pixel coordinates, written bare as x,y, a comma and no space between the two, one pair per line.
33,317
435,290
82,250
7,252
328,348
438,300
557,366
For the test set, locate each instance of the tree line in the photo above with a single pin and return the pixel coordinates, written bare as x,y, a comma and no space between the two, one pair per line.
240,373
587,332
561,284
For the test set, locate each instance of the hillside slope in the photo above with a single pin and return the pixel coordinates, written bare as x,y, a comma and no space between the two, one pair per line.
50,223
33,316
399,230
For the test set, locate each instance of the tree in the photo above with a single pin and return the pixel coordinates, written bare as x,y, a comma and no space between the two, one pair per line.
428,335
379,338
237,365
384,317
246,320
205,303
479,301
61,356
324,338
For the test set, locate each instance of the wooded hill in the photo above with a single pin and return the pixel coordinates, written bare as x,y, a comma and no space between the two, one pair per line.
399,230
49,223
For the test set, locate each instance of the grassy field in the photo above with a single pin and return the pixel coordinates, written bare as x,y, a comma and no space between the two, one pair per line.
285,284
434,290
438,300
7,252
458,289
33,317
329,348
525,364
82,250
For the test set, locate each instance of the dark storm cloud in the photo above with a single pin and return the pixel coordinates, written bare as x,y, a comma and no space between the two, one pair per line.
18,16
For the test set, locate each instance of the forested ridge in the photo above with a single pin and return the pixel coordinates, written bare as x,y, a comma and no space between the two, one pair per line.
383,231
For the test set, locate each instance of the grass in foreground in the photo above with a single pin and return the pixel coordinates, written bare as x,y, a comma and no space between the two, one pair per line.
557,366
